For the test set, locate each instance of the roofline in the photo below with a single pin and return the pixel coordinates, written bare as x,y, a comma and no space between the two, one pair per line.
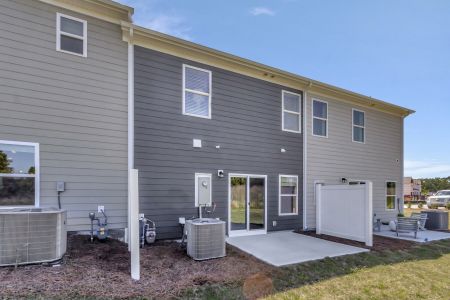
175,46
106,10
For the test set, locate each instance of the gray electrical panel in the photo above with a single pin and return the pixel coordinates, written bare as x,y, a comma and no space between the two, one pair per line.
203,190
60,186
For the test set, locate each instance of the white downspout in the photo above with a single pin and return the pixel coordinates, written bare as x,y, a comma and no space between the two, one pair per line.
130,122
305,160
133,177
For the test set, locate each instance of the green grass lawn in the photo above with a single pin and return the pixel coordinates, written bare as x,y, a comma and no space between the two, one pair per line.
420,272
422,279
408,212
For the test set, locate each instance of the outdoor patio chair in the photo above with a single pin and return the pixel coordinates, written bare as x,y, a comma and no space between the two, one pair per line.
408,225
422,218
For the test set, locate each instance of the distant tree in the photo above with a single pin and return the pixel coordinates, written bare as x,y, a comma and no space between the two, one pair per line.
32,170
4,163
435,184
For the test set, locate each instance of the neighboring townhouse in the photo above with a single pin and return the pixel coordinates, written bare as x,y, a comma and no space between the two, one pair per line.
87,96
241,128
354,140
63,116
412,188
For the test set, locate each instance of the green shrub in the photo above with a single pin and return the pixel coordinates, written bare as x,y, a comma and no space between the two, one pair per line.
448,205
420,205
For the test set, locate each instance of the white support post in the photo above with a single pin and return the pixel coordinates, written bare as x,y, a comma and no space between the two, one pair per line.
369,214
318,194
134,223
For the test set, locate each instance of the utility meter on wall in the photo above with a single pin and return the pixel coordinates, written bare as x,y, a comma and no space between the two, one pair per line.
202,189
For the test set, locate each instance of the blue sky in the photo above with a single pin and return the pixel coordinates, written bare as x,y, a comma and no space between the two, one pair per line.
398,51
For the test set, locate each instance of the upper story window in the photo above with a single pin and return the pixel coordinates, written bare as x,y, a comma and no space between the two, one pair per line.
391,194
288,195
291,107
359,126
71,35
19,174
196,92
320,118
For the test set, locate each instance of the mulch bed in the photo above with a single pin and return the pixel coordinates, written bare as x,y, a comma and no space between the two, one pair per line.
101,269
380,243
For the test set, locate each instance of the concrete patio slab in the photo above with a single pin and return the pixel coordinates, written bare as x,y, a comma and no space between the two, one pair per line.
286,247
422,236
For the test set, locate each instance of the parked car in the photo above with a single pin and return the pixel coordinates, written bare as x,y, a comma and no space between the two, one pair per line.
441,198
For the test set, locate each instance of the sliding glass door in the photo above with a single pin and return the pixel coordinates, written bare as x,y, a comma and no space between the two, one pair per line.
247,203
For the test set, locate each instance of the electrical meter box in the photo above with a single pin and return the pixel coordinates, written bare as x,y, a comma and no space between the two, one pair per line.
203,190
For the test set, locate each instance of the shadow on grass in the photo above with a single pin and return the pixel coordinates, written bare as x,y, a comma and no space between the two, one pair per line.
311,272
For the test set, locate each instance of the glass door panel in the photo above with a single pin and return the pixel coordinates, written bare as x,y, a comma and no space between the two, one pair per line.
256,203
238,203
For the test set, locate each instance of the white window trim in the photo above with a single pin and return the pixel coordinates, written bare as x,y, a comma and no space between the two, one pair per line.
386,195
359,126
319,118
279,196
59,33
36,175
299,113
197,176
197,92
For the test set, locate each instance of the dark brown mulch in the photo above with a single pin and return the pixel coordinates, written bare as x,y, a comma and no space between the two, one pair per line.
102,270
380,243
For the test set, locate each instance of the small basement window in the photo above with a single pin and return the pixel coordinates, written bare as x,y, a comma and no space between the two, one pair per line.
71,35
291,112
196,92
391,194
19,174
288,195
320,118
359,126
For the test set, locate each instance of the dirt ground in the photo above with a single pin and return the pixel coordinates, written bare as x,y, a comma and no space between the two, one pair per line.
379,243
102,270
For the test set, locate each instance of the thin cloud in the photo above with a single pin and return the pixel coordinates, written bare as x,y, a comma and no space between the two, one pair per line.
262,11
170,25
148,14
426,169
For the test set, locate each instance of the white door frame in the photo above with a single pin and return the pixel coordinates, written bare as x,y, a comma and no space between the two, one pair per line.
247,231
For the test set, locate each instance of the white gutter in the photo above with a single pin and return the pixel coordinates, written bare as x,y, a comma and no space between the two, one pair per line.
305,156
133,177
130,121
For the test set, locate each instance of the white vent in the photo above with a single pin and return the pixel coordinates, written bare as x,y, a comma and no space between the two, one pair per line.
205,238
32,236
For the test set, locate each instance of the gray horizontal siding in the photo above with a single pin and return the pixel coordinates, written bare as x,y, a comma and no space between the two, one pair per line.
246,123
75,108
329,159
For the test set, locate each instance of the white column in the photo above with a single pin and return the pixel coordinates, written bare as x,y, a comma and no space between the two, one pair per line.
134,223
318,194
369,214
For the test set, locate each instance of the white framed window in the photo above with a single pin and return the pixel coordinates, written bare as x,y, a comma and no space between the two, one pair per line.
197,92
319,118
19,174
358,126
203,189
71,35
391,195
288,195
291,112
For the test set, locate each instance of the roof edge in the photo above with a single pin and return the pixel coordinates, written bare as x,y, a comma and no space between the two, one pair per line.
106,10
158,41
